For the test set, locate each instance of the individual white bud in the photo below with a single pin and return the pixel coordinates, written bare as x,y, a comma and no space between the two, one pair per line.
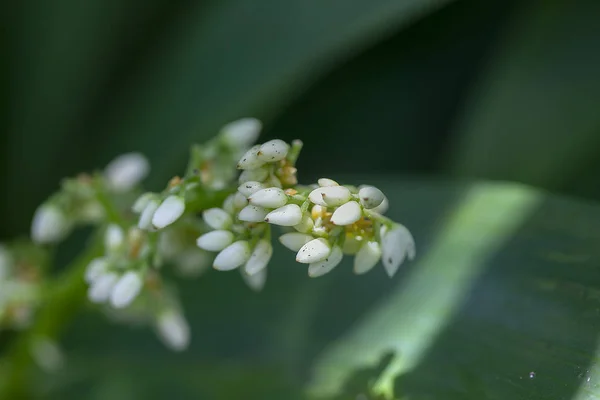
295,240
273,150
249,188
383,207
396,245
320,268
250,159
217,218
168,212
330,196
113,237
145,221
269,198
126,289
242,132
347,214
174,330
323,182
256,281
228,204
367,257
260,257
215,240
233,256
140,204
288,215
370,197
49,225
305,225
239,201
126,171
258,175
252,214
96,268
101,287
314,251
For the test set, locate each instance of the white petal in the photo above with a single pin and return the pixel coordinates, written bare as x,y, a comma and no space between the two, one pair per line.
288,215
113,237
250,159
217,218
126,289
322,267
270,198
249,188
295,240
126,171
242,132
145,221
49,225
367,257
273,150
305,225
252,214
396,244
330,196
383,207
232,256
258,174
168,212
101,287
142,202
347,214
314,251
96,268
256,281
323,182
370,197
215,240
174,330
260,257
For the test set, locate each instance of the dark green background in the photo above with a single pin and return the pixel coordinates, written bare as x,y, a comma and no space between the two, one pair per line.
416,95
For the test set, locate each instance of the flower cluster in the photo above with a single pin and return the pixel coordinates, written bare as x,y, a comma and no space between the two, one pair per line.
220,212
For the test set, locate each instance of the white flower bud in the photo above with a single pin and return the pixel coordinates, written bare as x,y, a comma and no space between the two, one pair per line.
258,174
370,197
330,196
168,212
101,287
323,182
239,201
49,225
347,214
249,188
273,150
256,281
126,289
270,198
250,159
295,240
252,214
232,256
383,207
288,215
174,330
217,218
367,257
260,257
228,204
215,240
314,251
319,268
113,237
96,268
126,171
305,225
140,204
242,132
395,246
145,221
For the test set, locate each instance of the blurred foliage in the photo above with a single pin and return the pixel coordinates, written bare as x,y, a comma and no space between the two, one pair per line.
502,90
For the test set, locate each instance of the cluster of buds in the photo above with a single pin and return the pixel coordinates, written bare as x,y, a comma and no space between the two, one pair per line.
221,212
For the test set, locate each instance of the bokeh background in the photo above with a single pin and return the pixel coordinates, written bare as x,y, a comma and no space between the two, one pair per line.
481,120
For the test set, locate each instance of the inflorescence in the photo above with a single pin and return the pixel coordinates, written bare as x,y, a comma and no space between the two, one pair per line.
221,212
